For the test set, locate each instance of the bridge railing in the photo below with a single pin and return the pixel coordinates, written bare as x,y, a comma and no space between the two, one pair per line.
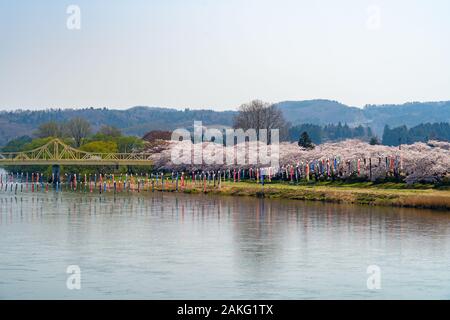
57,151
87,156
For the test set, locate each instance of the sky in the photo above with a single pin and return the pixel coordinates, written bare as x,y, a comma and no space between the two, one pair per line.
221,53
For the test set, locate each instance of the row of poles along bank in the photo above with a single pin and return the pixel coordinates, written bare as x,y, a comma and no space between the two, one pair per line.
101,183
173,181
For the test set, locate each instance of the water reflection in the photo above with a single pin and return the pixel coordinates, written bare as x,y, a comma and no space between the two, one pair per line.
168,245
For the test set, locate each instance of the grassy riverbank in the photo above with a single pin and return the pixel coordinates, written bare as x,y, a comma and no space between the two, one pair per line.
366,193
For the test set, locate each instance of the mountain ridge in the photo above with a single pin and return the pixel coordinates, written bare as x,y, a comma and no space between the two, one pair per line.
138,120
323,112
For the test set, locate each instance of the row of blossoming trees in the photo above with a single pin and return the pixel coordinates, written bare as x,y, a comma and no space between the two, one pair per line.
346,160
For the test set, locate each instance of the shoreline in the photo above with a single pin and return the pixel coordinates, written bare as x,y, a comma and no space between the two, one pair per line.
372,194
387,194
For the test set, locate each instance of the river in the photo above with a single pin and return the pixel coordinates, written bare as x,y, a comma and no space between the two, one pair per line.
178,246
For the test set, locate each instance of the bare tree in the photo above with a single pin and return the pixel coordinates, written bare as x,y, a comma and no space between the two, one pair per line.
261,115
78,129
49,129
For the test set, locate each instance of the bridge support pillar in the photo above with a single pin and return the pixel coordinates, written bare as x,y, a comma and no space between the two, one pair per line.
56,173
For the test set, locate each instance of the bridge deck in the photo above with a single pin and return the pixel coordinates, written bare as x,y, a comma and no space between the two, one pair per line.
56,152
8,162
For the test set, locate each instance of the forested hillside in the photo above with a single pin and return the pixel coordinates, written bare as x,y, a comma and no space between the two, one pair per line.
421,133
139,120
323,112
135,121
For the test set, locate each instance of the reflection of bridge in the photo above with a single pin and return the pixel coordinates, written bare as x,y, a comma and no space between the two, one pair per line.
56,152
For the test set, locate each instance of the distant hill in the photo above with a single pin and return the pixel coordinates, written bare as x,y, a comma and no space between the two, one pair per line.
140,120
324,112
134,121
409,114
320,112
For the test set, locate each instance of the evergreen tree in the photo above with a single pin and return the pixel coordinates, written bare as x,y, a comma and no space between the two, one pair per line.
387,136
420,133
304,141
374,141
330,132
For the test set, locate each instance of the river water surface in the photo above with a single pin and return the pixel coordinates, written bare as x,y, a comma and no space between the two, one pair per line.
178,246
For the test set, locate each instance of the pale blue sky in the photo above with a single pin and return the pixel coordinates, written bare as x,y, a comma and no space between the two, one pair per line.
221,53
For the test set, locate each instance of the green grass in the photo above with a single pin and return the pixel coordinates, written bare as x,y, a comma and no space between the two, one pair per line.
365,184
366,193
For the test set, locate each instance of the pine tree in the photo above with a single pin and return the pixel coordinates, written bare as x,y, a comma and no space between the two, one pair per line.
374,141
305,141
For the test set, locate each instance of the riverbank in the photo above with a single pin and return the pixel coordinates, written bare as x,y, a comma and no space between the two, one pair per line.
425,196
387,194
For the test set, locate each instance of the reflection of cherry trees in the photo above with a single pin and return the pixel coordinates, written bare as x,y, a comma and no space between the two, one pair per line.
427,162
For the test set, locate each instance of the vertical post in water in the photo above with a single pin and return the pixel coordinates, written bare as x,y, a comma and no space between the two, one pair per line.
56,170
